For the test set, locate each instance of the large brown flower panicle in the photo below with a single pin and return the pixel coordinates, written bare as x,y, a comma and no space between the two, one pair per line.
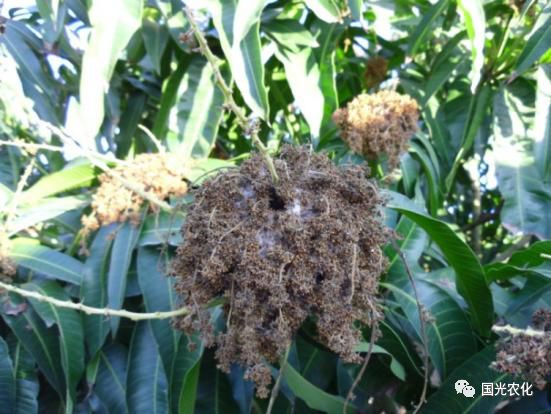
159,174
377,124
527,356
308,247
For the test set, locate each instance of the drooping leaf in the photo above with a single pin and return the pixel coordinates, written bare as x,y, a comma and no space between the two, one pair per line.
161,228
71,336
41,342
314,397
27,386
93,291
478,108
194,118
475,21
155,36
113,24
527,206
110,385
243,55
470,279
76,175
476,371
47,209
159,295
542,122
395,366
326,10
355,7
184,377
147,388
424,27
538,41
126,239
7,379
45,261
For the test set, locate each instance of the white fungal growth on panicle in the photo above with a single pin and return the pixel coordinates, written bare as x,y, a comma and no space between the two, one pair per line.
295,209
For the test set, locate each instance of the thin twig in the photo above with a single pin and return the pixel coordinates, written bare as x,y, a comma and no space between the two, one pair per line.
12,208
93,158
511,330
160,147
350,395
230,103
277,385
89,310
422,326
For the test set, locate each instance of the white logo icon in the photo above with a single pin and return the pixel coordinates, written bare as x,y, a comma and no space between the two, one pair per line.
463,387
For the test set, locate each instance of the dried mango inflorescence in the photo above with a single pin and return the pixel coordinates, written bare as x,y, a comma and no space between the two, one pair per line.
526,355
308,247
159,174
377,124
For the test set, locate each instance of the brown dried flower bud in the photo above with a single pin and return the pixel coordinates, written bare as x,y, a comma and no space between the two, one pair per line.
377,124
159,174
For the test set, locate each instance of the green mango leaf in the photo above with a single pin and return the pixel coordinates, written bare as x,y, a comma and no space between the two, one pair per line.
538,42
126,239
146,384
159,295
155,36
476,371
542,122
355,7
161,228
195,116
71,335
214,393
326,10
470,279
475,21
7,379
243,54
314,397
93,290
41,342
113,24
173,14
75,175
419,36
110,385
526,192
53,14
128,126
45,261
395,366
184,377
47,209
27,386
478,109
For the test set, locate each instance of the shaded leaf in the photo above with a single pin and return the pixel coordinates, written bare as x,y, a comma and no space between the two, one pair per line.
475,21
45,261
147,388
326,10
69,327
113,24
470,278
110,385
527,206
7,379
243,55
93,290
126,239
538,41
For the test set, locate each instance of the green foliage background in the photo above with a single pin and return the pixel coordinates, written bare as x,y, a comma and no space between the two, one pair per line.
471,200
